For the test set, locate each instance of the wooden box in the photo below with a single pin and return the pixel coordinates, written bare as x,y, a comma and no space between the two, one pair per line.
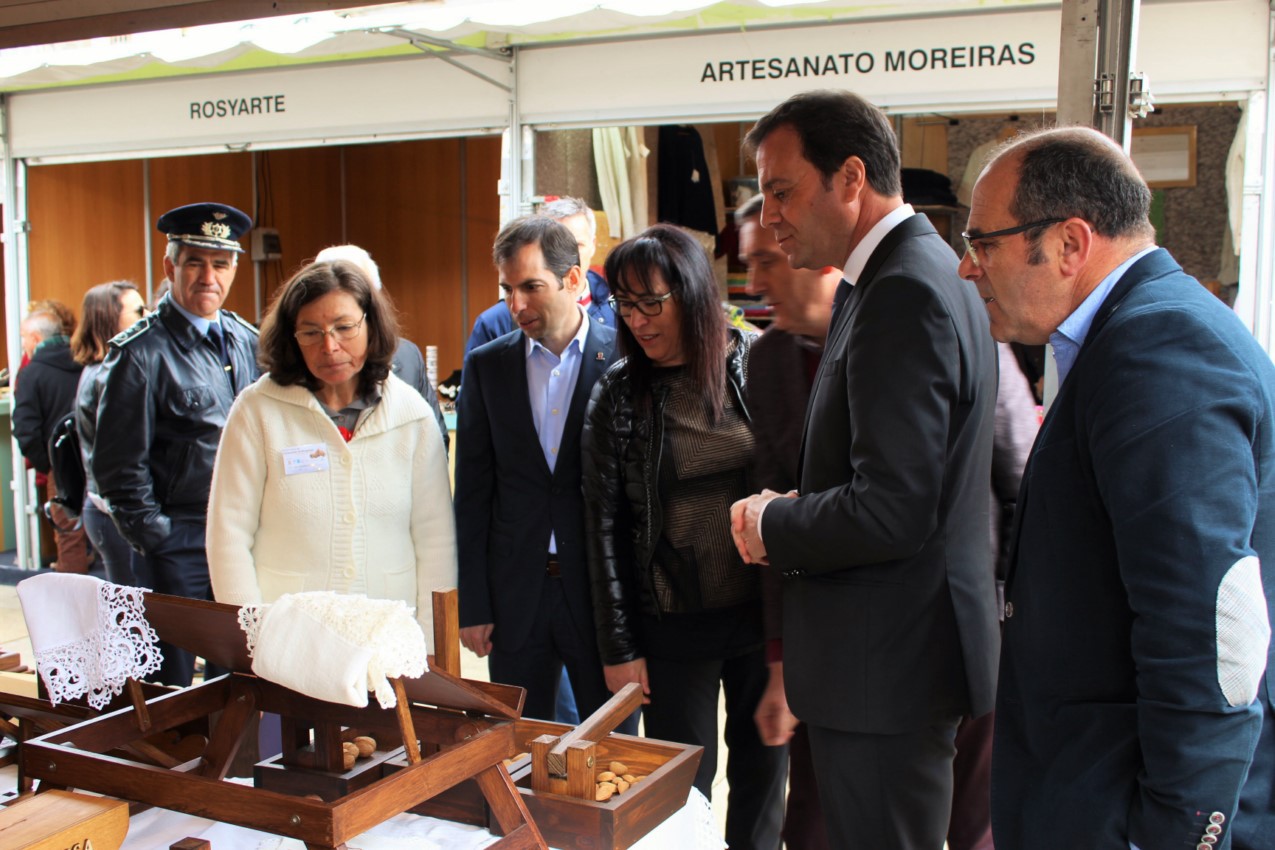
59,820
572,823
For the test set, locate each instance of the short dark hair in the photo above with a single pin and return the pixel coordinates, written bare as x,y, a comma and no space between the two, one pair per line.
1076,172
833,126
278,351
557,244
675,256
99,321
748,210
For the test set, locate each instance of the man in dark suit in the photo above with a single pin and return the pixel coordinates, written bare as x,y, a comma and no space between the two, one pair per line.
781,369
578,217
1136,626
524,582
890,629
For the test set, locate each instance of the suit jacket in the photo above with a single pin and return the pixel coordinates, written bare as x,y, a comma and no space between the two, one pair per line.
778,391
507,501
1135,624
889,601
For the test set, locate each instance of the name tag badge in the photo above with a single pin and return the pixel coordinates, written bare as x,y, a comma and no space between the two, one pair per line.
298,460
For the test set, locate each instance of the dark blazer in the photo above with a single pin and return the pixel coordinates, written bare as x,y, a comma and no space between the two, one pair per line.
889,601
165,398
1129,596
506,499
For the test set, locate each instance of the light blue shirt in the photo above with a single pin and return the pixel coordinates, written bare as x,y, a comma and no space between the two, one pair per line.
551,380
1071,334
201,324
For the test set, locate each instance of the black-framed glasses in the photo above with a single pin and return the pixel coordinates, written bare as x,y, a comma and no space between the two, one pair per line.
650,306
971,238
344,331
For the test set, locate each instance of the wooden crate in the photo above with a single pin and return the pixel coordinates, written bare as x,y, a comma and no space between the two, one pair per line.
572,823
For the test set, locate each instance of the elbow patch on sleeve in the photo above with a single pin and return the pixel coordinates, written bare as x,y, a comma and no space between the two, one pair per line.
1243,632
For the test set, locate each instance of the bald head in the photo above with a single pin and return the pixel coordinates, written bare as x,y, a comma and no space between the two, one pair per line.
1075,172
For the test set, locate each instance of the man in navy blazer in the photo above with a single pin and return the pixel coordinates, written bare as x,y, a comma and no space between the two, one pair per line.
1136,623
524,583
578,217
889,617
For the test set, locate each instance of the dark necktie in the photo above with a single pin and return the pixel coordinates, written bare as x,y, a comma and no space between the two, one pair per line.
839,300
218,339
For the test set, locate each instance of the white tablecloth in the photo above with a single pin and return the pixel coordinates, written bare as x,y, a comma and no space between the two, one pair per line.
692,827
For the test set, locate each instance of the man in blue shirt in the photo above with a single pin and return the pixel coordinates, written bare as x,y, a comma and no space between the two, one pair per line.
525,598
577,217
1136,632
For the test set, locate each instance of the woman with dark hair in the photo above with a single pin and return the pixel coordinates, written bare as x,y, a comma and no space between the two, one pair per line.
666,451
331,473
108,309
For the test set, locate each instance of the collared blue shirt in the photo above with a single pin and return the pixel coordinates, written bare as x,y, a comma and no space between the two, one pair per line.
201,324
551,380
1071,334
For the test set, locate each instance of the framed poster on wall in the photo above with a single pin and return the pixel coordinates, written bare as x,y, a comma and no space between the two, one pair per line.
1165,156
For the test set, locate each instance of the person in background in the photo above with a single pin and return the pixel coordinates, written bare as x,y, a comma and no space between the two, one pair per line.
331,474
890,628
167,386
782,367
409,365
43,395
1134,706
666,451
524,582
108,309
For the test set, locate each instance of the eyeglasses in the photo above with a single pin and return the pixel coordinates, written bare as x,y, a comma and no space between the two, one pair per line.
971,238
649,307
344,331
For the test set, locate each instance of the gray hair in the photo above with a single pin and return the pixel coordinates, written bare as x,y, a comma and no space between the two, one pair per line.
356,255
567,206
46,324
174,249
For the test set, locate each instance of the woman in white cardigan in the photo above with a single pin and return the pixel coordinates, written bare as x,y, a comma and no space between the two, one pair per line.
331,473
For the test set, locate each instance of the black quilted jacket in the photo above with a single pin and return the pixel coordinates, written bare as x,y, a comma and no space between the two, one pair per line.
623,517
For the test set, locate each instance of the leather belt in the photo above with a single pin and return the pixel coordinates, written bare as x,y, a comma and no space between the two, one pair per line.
551,567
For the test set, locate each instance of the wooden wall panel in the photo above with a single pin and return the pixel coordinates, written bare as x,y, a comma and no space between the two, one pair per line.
482,173
86,222
300,196
223,178
403,206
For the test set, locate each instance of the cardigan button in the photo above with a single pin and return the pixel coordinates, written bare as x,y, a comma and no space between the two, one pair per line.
1009,610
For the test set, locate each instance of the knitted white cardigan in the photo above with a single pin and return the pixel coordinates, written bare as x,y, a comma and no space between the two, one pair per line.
377,521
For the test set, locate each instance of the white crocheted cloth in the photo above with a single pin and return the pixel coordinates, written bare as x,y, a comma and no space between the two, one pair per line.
89,636
334,647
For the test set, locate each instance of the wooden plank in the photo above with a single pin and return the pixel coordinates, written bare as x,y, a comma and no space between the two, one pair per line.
397,792
597,725
232,728
446,631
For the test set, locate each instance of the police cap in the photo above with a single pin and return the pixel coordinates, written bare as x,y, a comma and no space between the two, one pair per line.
206,225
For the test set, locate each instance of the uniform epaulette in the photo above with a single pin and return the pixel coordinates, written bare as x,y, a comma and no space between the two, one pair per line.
241,320
134,331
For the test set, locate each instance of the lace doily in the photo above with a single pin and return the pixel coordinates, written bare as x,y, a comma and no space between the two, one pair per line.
100,638
385,628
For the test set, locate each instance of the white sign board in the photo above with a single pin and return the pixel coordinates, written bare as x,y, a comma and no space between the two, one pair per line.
969,62
390,98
